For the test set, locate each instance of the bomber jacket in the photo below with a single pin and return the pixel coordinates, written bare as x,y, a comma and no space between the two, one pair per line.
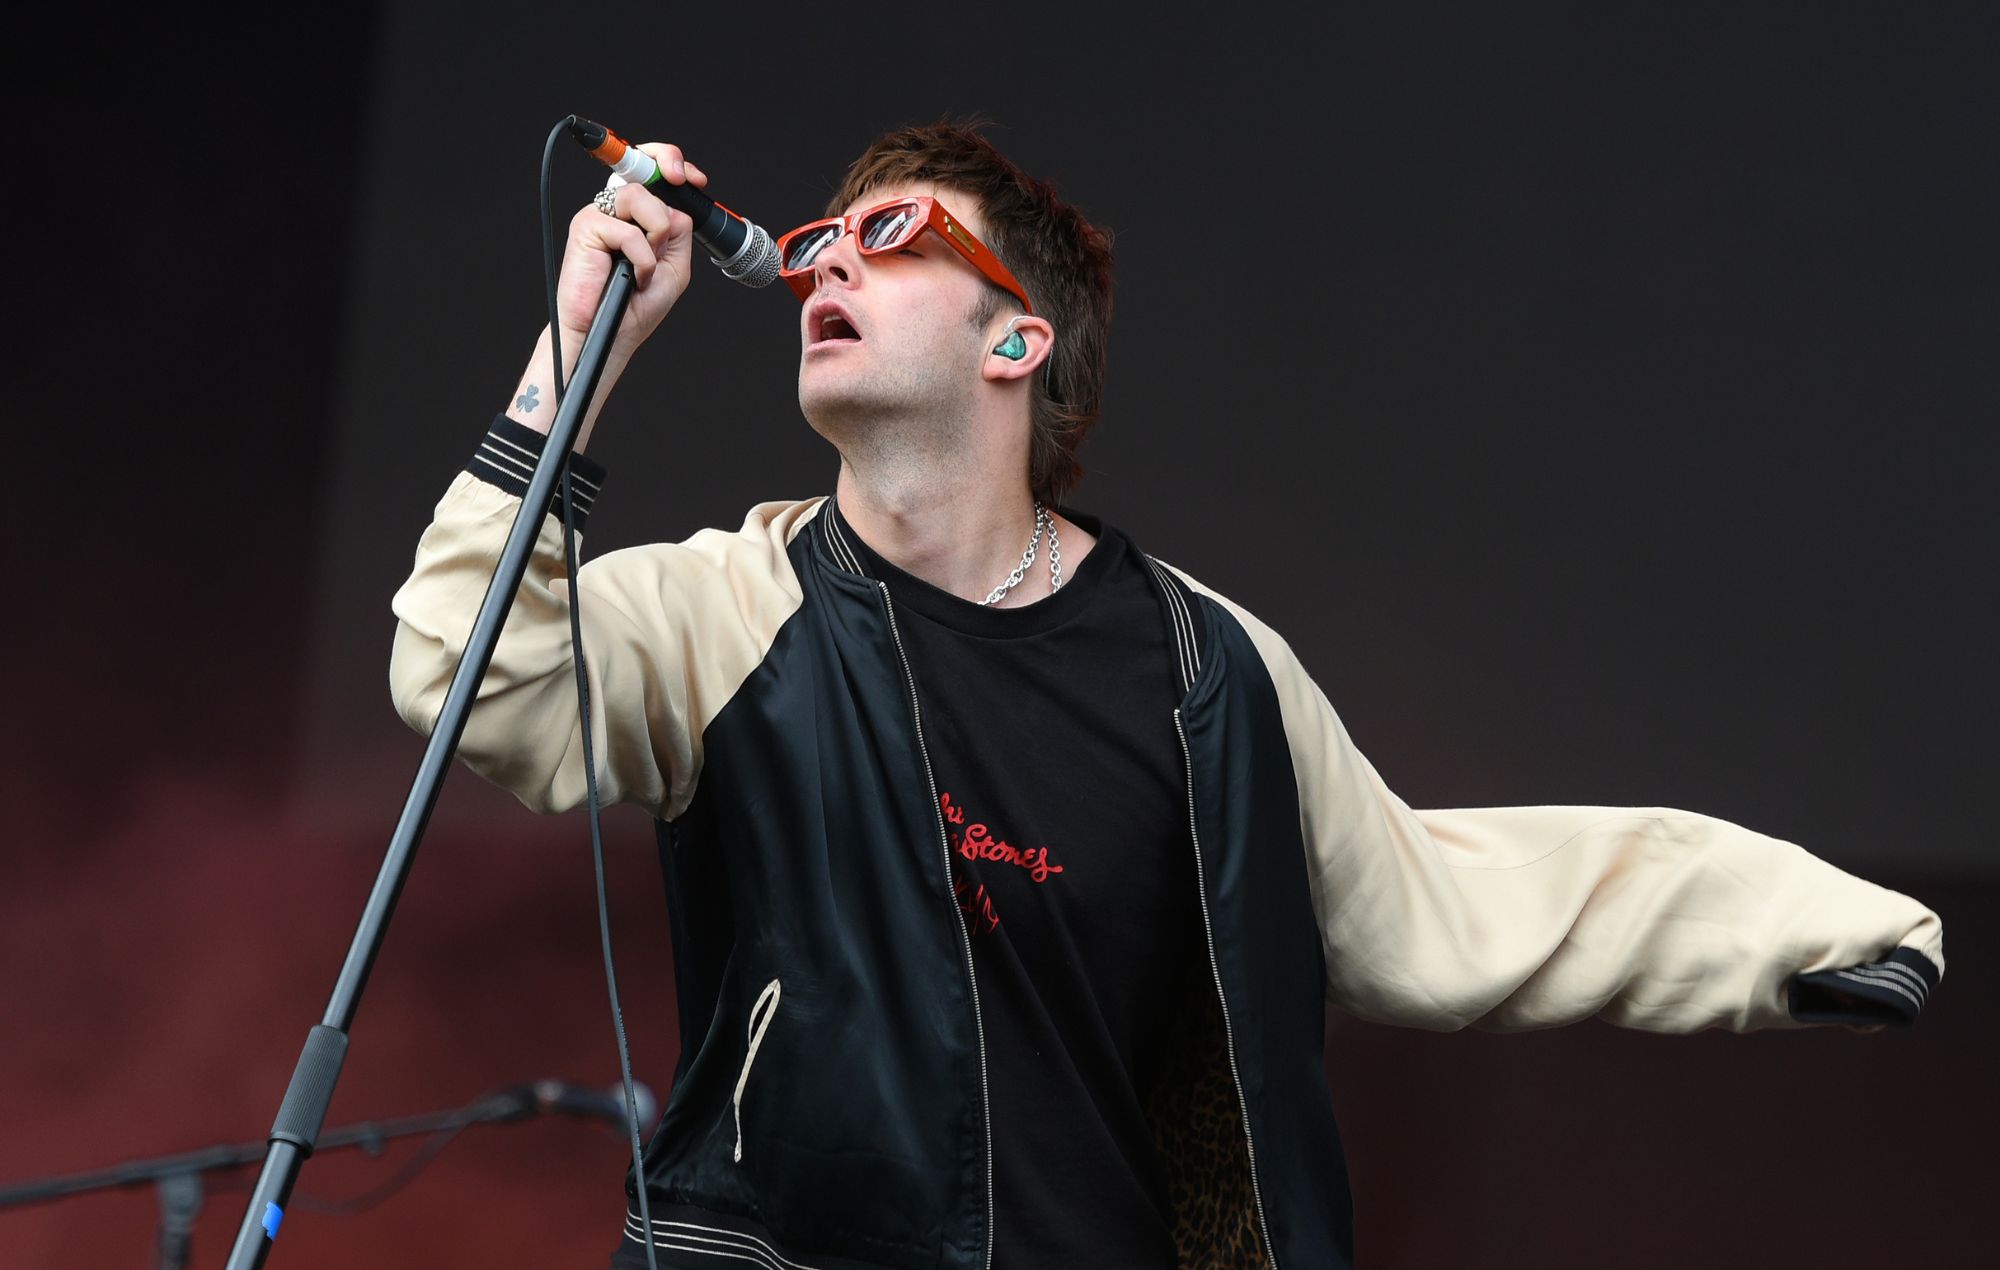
829,1105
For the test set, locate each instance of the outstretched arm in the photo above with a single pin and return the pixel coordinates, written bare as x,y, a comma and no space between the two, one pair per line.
1524,917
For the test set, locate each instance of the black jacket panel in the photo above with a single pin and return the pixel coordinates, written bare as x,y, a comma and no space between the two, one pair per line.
1257,897
862,1126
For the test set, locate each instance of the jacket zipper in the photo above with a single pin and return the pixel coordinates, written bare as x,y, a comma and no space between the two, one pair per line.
1215,967
964,939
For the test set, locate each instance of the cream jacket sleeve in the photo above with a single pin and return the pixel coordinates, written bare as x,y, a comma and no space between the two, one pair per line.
1526,917
670,631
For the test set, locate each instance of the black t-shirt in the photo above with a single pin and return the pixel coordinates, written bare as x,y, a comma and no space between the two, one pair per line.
1060,776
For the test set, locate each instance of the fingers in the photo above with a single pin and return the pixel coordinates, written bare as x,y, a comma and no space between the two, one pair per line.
658,222
645,219
631,221
677,168
591,230
661,225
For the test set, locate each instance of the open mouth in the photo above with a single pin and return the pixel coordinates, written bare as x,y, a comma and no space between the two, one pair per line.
830,325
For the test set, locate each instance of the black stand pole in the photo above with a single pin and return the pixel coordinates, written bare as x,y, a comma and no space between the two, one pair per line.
305,1104
178,1177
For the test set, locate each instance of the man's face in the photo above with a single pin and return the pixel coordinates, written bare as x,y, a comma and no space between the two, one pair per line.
892,333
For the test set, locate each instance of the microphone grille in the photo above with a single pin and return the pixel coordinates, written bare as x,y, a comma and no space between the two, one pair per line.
755,264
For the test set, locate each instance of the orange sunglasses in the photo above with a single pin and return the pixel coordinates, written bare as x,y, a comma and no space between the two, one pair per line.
885,227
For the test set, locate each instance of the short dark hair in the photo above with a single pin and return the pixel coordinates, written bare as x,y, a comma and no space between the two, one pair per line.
1061,259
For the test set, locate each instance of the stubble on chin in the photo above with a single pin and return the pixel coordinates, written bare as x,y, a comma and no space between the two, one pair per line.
899,410
907,415
838,412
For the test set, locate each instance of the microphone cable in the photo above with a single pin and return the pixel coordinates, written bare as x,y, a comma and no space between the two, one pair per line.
474,1112
549,278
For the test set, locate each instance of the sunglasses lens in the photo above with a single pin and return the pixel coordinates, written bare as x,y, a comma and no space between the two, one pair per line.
801,251
890,226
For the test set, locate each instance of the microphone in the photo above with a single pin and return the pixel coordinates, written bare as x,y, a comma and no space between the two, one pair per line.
595,1104
739,248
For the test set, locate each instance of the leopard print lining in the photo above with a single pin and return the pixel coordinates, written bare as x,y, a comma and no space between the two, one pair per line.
1198,1128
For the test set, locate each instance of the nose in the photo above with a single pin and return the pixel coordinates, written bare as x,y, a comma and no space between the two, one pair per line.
839,260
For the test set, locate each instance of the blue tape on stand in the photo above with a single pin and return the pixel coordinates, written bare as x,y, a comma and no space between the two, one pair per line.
273,1215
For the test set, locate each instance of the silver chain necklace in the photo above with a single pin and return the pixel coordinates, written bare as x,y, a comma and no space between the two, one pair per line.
1042,521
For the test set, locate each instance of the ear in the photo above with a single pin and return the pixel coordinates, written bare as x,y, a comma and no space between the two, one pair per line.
1035,332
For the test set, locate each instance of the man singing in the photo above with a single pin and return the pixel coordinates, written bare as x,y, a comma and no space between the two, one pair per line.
1009,867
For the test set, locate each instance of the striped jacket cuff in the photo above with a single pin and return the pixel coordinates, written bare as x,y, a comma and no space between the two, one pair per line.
1892,990
507,456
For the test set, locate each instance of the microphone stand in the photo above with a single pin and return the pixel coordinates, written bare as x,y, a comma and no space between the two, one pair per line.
178,1177
303,1110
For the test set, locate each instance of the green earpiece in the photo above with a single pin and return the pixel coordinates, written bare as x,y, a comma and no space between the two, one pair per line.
1013,348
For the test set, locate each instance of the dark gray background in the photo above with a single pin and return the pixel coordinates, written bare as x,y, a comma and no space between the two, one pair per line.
1600,397
1596,397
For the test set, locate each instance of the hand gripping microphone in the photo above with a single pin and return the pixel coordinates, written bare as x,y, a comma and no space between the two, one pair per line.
739,248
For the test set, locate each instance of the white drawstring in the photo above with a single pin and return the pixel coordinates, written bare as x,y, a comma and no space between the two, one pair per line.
760,1019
